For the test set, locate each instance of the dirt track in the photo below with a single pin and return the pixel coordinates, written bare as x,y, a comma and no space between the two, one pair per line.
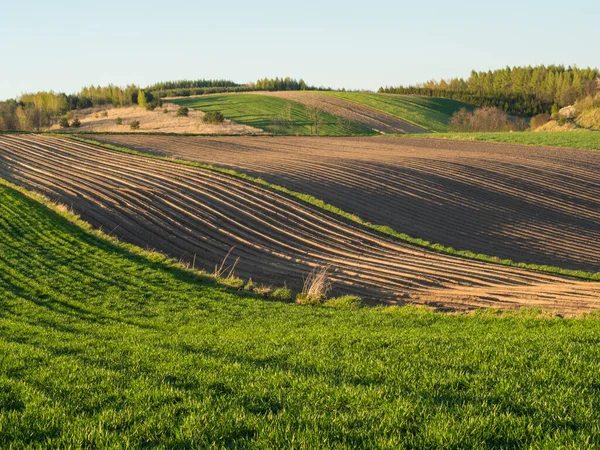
185,211
371,118
534,205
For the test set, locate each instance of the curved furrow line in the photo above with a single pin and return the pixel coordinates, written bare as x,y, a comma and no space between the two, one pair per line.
170,204
364,258
530,204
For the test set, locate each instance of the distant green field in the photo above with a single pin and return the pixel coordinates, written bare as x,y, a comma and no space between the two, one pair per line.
265,112
576,139
105,346
426,112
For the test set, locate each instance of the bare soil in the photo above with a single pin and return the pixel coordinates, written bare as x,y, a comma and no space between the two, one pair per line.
371,118
537,205
94,119
186,212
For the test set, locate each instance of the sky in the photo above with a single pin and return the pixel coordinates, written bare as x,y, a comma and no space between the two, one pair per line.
65,45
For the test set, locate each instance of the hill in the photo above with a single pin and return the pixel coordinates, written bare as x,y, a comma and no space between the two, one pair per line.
426,112
203,217
376,120
104,346
273,115
520,203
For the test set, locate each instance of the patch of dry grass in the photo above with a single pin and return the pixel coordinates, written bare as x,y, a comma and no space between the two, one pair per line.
102,119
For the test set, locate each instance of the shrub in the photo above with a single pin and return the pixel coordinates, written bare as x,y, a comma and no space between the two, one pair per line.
213,117
282,293
539,120
183,111
134,124
590,119
485,119
104,113
345,302
76,122
64,122
151,106
166,110
118,121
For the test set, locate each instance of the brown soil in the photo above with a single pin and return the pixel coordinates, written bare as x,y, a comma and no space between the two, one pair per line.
371,118
92,119
529,204
186,211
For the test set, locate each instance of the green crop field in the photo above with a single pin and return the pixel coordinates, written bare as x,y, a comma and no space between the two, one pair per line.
429,113
103,345
266,112
576,139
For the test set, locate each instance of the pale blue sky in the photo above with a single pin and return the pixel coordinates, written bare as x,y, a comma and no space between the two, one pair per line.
64,45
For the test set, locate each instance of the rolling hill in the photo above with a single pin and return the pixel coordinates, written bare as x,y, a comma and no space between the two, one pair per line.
104,346
426,112
274,115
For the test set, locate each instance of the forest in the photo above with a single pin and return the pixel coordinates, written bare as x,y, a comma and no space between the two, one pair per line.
525,91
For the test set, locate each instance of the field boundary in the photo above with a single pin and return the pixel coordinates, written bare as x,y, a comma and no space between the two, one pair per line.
381,229
470,137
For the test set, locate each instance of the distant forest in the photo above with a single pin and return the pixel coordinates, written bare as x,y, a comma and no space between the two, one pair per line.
36,111
519,90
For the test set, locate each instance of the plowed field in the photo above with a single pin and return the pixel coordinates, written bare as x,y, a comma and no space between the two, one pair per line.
533,205
186,211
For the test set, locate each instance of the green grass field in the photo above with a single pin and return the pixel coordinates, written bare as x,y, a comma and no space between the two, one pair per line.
264,112
105,346
578,139
429,113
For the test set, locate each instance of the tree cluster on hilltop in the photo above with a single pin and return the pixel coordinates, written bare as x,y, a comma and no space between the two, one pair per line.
517,90
36,111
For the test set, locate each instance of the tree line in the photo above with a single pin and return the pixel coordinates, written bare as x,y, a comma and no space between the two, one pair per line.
517,90
36,111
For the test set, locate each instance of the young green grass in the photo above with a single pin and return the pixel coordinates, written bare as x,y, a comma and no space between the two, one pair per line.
427,112
106,346
577,139
266,113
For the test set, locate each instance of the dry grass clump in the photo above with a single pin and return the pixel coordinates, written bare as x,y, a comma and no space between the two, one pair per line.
316,287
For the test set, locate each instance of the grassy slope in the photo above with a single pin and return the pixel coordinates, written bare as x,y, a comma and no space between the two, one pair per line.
430,113
262,112
105,346
581,139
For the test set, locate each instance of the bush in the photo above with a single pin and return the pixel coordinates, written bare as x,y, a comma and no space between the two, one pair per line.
282,293
76,123
64,122
213,117
183,112
104,113
151,106
484,120
539,120
134,124
166,110
118,121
